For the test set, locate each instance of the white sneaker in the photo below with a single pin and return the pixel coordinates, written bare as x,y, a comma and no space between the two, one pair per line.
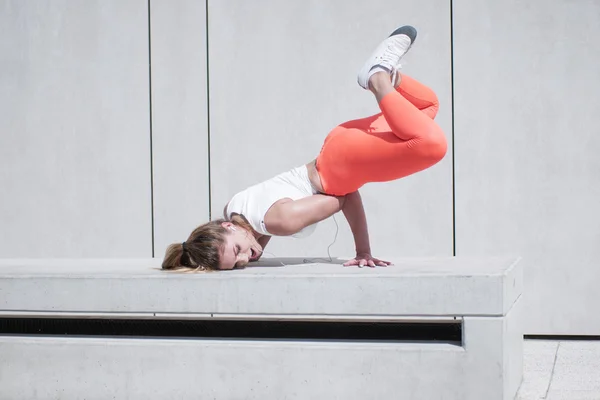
388,54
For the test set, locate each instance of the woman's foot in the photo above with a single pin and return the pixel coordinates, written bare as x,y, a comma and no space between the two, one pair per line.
387,56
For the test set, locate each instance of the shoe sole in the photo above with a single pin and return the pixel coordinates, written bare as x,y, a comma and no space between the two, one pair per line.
407,30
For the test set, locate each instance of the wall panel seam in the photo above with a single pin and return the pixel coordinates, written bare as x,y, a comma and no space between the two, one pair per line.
452,127
150,114
208,113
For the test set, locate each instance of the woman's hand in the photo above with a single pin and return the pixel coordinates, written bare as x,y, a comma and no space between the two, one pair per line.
363,259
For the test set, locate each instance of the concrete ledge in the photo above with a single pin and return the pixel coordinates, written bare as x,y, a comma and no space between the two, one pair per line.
482,295
417,287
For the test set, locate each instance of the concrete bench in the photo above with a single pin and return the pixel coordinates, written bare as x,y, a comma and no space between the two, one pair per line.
440,328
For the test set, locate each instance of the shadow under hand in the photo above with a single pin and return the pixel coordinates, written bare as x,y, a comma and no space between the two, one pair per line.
284,261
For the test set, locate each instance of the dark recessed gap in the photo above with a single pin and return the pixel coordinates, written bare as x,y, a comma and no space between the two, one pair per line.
437,332
563,337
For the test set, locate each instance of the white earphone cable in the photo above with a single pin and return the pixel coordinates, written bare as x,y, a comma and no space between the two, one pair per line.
308,260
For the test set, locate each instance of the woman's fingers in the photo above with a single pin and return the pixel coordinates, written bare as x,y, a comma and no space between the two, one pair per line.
363,262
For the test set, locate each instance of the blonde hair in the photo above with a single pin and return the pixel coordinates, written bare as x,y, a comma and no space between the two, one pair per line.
202,249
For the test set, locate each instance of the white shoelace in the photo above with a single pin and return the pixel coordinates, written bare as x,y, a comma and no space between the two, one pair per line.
393,53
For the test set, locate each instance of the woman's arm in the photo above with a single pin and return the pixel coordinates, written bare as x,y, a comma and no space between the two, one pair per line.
355,214
288,216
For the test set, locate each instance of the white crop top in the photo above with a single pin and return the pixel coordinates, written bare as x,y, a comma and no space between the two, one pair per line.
254,202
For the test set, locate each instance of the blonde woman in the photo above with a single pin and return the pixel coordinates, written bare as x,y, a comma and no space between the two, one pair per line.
401,140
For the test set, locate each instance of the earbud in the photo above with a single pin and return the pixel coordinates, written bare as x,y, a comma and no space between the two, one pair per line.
233,228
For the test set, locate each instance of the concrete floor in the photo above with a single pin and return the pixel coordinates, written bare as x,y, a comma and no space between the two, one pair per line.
561,370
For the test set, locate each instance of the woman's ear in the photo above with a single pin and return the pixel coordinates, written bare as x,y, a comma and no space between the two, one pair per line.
229,225
226,225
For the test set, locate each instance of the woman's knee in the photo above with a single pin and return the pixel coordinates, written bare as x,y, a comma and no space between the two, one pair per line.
433,147
437,147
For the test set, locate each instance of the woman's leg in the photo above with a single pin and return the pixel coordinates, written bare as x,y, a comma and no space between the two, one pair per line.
418,94
376,149
406,120
412,90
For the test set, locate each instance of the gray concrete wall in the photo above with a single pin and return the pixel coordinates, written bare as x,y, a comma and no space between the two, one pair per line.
74,129
526,141
91,166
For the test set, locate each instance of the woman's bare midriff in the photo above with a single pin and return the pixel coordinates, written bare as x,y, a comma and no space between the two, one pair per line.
313,175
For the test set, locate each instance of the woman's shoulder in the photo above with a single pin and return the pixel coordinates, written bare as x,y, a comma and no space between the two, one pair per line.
264,193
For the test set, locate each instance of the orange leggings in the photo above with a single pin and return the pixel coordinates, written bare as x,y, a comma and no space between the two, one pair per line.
399,141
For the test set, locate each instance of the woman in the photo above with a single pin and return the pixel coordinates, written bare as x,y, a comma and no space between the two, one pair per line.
399,141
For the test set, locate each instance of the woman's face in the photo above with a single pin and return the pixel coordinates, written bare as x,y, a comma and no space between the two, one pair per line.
240,248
